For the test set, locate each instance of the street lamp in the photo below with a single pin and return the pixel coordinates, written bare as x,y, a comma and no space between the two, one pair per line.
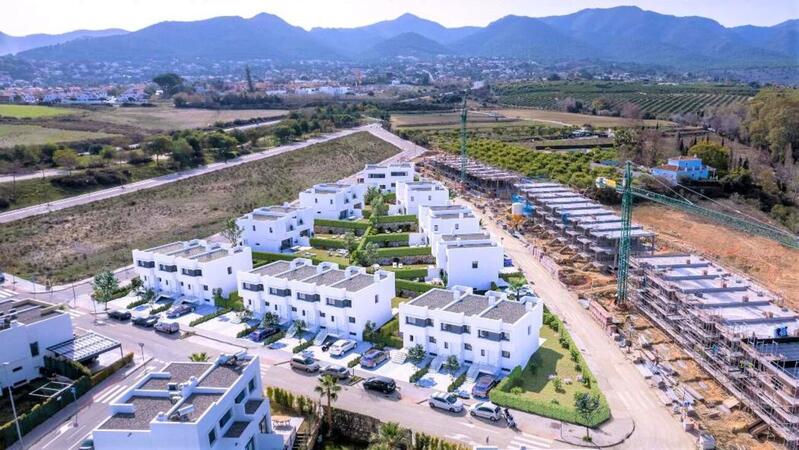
13,407
141,347
75,399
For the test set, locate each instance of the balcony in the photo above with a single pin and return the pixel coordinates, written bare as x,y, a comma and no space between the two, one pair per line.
307,297
338,303
192,272
146,264
236,429
492,336
252,406
454,329
167,268
280,292
418,322
252,287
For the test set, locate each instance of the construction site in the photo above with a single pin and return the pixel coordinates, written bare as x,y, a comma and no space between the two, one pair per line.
739,392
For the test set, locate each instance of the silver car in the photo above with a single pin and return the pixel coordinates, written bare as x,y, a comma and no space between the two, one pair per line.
486,410
335,371
446,401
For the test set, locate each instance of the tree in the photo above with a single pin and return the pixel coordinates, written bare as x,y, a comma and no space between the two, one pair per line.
328,388
372,192
232,231
105,284
416,353
368,331
136,284
631,111
158,145
222,145
350,241
301,327
66,158
147,295
391,436
367,255
452,364
170,83
516,285
283,133
379,207
626,142
182,154
586,405
199,357
270,319
248,76
771,123
712,154
219,300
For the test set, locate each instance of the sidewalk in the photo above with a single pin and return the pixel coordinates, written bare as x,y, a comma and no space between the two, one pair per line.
609,434
24,286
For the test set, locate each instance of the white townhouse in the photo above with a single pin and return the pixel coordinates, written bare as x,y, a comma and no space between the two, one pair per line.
473,259
331,300
27,329
386,177
410,196
276,228
334,200
216,405
192,269
448,219
485,330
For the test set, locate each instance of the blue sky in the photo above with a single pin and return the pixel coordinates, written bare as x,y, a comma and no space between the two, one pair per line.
20,17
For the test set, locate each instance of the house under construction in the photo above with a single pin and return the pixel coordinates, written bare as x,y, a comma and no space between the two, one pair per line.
479,177
585,226
735,329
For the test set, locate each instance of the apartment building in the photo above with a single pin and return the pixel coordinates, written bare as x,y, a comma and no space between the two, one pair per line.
473,259
276,228
192,269
27,329
447,219
386,177
334,301
216,405
410,196
334,200
485,330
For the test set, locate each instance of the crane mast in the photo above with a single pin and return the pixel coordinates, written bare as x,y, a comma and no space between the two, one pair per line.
463,142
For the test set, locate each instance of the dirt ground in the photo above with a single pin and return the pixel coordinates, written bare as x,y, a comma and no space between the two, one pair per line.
766,261
565,118
166,118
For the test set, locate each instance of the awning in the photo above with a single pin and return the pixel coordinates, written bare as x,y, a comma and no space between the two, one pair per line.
84,347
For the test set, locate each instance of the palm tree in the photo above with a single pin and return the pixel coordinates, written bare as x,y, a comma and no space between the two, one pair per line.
199,357
516,285
390,435
328,387
300,326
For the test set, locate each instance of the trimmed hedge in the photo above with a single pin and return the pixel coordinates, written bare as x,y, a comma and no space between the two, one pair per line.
396,252
136,303
386,336
349,224
408,218
419,374
160,309
328,243
261,258
354,362
389,238
208,317
302,346
274,338
246,331
456,383
413,286
547,409
408,274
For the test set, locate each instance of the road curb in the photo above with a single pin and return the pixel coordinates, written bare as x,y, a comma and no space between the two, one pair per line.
584,444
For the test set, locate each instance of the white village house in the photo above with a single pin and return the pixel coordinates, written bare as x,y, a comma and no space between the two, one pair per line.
334,301
483,330
410,196
334,200
473,259
386,177
192,269
276,228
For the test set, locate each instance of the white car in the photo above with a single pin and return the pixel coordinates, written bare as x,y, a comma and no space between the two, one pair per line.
486,410
342,346
446,401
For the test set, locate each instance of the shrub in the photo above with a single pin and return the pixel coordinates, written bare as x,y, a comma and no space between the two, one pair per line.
274,338
409,218
413,286
210,316
456,383
354,362
548,409
348,224
160,309
419,374
328,243
409,274
389,238
516,390
247,330
396,252
302,346
136,303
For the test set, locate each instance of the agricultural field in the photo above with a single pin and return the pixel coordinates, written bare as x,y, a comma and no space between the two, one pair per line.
577,120
439,120
13,134
660,101
168,118
77,242
32,111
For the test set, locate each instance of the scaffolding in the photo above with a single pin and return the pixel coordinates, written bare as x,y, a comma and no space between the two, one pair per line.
474,175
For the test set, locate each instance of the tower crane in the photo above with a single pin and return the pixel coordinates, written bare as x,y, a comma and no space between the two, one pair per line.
464,112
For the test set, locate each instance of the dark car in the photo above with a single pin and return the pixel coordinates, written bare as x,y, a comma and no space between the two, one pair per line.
119,314
380,384
180,310
145,321
373,358
483,384
88,444
262,333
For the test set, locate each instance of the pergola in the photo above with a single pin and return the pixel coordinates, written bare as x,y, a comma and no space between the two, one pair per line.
85,347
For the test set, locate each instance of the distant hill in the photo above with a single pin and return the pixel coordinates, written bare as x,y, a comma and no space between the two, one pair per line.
15,44
621,34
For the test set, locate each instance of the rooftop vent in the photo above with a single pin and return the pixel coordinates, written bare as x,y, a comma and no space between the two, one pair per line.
172,386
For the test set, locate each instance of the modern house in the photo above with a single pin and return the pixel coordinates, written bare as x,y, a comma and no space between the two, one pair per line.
276,228
410,196
683,168
447,219
334,301
472,260
334,200
192,269
387,177
216,405
483,330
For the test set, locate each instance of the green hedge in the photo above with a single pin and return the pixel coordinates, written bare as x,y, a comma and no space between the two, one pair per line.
413,286
419,374
547,409
348,224
456,383
396,252
160,309
100,376
274,338
389,237
354,362
328,243
386,336
409,218
302,346
261,258
408,274
246,331
208,317
136,303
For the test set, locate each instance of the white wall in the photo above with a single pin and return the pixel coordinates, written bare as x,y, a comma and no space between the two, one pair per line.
17,340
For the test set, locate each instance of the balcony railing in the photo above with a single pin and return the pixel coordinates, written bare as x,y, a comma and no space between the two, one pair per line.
307,297
417,322
455,329
280,292
339,303
252,287
146,264
192,272
492,336
167,268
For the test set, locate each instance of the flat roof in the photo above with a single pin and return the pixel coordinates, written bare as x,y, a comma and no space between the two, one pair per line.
179,372
145,410
222,376
84,347
167,248
327,277
470,305
434,298
188,252
506,311
28,311
202,402
356,282
212,255
456,245
299,273
465,236
272,268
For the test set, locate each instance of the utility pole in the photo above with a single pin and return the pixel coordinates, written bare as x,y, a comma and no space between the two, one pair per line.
13,407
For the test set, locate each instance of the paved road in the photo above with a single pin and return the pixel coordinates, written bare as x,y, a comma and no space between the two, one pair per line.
32,175
35,210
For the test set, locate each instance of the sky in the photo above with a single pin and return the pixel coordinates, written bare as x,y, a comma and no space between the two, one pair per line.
22,17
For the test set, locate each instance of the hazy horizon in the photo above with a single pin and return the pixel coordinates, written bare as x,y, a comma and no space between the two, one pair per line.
58,16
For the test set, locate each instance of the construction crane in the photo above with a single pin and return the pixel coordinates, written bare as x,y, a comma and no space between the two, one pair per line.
464,112
627,192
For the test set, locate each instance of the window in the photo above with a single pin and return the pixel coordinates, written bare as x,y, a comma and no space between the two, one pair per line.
429,198
529,329
351,319
211,437
250,444
280,292
230,271
435,227
482,352
457,226
240,397
431,339
446,345
303,313
353,333
505,354
293,309
192,272
377,298
34,349
181,284
252,287
16,369
467,346
225,418
253,228
332,318
146,264
321,314
251,385
410,338
205,287
474,264
263,426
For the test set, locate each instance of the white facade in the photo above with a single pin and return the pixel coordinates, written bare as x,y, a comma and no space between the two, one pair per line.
27,329
449,219
334,201
338,302
387,177
193,406
478,329
410,196
192,269
276,228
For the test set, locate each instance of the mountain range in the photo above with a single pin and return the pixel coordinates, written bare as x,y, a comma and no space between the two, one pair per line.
15,44
621,34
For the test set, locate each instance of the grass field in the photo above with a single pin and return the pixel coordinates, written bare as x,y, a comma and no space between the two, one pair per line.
167,118
32,111
11,135
77,242
565,118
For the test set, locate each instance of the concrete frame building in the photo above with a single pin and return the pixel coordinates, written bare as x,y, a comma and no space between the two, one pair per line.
479,177
334,201
193,405
386,177
192,269
276,228
410,196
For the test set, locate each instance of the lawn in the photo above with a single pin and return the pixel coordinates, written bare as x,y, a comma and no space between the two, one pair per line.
32,111
76,243
323,255
11,135
395,302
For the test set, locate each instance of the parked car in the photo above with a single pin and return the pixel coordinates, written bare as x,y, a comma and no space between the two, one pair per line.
373,358
486,410
119,314
380,384
262,333
180,310
446,401
167,327
304,362
483,384
87,444
335,371
342,346
145,321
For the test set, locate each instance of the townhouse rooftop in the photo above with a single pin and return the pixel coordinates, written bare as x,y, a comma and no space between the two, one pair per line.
299,273
434,298
272,268
215,254
356,282
167,248
269,213
403,165
177,372
506,311
424,186
464,237
329,188
145,409
327,277
27,311
469,304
